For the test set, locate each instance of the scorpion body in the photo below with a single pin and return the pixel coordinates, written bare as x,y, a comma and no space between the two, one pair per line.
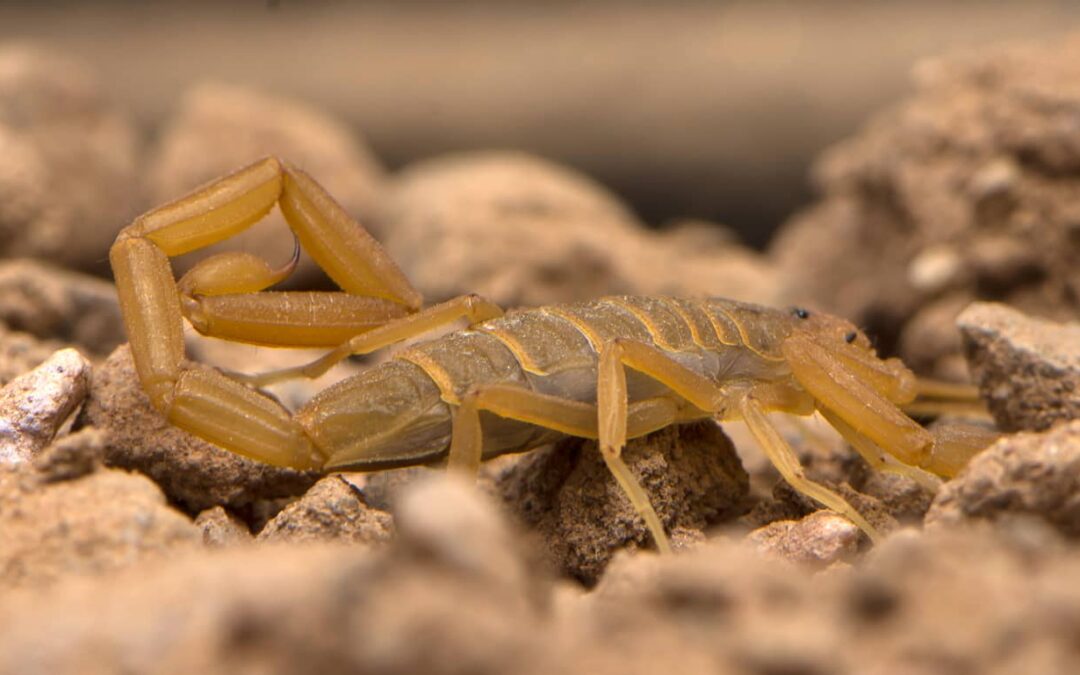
611,369
553,351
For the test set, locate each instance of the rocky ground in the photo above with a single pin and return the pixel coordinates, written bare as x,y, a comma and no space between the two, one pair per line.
127,545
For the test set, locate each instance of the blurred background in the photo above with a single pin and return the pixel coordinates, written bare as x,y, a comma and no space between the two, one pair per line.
708,110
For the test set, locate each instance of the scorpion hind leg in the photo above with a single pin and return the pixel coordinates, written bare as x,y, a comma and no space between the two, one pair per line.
573,418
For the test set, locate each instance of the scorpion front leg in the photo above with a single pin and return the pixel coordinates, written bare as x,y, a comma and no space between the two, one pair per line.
858,395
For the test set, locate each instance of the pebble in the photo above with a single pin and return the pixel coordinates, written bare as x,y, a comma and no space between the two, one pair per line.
35,405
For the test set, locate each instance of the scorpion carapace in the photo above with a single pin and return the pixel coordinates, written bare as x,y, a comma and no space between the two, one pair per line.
609,369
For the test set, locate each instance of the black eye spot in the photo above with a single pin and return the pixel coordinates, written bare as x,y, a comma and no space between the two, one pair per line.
850,337
800,312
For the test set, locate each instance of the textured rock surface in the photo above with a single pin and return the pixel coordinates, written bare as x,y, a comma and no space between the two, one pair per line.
820,539
968,190
69,176
331,510
221,528
192,472
108,520
1028,370
220,128
523,231
21,352
50,302
33,406
1027,474
568,495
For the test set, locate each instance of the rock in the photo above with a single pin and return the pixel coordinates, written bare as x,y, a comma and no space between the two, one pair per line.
568,496
1027,474
1028,370
442,601
34,406
514,228
69,176
107,520
520,230
72,456
819,540
220,128
221,528
49,302
331,510
965,191
192,472
20,353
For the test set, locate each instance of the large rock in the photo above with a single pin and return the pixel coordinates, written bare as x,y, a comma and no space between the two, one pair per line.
967,190
69,176
1028,370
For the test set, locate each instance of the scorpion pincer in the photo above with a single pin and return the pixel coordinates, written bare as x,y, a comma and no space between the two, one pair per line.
608,369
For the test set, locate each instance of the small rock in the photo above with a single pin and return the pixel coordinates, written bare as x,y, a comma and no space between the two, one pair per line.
445,518
332,510
567,494
191,471
72,456
221,528
1034,474
69,177
1027,369
105,521
220,128
50,302
34,406
818,540
20,352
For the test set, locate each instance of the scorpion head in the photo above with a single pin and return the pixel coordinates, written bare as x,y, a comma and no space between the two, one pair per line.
844,343
828,328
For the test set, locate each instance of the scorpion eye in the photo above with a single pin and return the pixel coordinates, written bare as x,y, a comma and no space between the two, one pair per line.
800,312
850,337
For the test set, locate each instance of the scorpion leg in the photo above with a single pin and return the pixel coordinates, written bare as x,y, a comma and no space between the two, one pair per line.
613,411
838,388
472,308
783,457
570,417
707,396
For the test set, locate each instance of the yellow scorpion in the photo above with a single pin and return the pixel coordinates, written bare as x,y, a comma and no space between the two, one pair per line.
609,369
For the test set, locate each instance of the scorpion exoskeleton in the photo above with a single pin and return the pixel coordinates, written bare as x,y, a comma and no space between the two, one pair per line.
609,369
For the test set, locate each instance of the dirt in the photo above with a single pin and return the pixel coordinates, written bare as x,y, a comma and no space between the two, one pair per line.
127,545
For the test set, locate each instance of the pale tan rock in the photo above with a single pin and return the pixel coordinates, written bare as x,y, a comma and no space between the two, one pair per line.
107,520
33,406
221,528
818,540
330,510
1027,369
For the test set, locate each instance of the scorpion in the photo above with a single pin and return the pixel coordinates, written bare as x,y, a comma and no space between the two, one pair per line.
609,369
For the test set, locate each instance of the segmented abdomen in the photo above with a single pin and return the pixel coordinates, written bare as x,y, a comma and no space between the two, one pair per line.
555,349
